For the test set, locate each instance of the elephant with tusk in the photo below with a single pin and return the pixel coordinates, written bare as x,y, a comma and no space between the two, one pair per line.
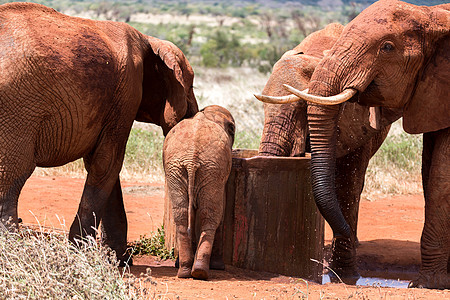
286,134
393,55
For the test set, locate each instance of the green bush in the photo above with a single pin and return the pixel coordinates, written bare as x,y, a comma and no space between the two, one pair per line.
223,49
402,151
396,167
247,140
154,245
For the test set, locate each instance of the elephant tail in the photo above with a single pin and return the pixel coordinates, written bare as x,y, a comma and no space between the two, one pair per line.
191,196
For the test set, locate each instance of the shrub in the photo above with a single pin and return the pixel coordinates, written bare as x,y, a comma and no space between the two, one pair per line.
154,245
44,265
143,153
223,50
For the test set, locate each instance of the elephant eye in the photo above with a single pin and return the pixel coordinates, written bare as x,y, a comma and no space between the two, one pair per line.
387,47
231,129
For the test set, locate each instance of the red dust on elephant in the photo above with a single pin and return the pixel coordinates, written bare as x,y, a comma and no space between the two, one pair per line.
197,162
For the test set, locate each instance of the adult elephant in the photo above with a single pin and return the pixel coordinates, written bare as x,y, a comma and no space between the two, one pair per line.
396,55
71,88
286,134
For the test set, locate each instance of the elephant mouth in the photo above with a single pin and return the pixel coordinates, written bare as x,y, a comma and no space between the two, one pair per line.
371,96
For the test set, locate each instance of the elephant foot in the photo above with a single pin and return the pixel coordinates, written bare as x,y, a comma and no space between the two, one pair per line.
124,260
347,279
343,262
184,272
347,275
200,270
217,263
431,281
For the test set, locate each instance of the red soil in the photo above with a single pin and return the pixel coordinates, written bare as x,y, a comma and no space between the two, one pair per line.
389,234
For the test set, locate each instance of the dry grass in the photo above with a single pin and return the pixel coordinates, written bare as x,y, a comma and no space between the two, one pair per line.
396,167
233,88
43,264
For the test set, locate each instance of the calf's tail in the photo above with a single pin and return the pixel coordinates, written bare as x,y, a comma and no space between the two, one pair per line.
192,203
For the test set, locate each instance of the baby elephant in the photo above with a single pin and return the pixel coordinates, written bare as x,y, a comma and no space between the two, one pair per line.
197,162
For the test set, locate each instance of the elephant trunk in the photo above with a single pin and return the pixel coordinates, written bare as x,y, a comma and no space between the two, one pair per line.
322,125
274,141
284,132
322,122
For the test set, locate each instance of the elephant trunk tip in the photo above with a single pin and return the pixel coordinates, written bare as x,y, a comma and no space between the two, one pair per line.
343,232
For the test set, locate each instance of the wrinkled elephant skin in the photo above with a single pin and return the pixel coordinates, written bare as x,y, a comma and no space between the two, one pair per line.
197,163
71,88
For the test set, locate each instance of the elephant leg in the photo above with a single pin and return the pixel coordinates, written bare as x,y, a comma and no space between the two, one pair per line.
15,168
435,241
114,225
103,166
185,252
200,269
350,174
216,262
185,244
210,207
178,195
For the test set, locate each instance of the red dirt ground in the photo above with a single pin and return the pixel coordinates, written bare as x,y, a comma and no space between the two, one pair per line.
389,234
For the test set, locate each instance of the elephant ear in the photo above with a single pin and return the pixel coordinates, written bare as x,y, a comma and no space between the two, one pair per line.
429,108
167,95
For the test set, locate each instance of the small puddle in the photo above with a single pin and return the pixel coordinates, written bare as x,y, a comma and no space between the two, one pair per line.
376,282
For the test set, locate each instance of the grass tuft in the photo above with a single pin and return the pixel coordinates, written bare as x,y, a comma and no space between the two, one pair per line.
143,156
44,265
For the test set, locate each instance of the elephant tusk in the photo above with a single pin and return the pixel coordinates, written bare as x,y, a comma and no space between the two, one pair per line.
277,100
332,100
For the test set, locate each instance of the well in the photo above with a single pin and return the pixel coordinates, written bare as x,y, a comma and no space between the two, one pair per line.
271,222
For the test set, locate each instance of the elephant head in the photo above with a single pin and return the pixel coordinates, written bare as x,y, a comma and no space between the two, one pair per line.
358,136
393,55
167,95
223,118
285,126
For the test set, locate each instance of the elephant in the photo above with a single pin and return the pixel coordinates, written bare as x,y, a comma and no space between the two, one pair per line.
393,55
285,133
71,88
197,156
